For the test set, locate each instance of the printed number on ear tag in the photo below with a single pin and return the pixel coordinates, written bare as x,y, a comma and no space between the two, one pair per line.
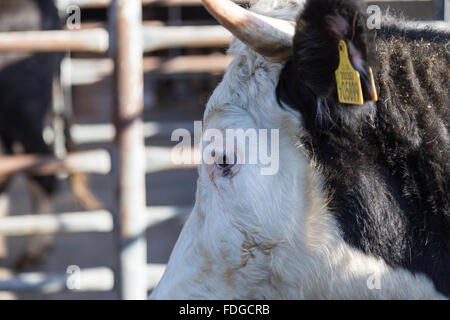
347,79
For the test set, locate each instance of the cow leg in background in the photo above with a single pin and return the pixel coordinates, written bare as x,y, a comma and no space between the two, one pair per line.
25,98
41,190
37,247
4,199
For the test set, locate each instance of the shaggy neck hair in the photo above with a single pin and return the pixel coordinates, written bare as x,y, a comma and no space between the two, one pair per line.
385,164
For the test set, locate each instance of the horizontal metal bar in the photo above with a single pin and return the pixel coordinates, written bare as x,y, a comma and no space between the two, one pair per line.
92,279
93,161
159,214
90,40
105,3
100,133
97,40
71,222
398,1
154,274
157,38
213,63
5,295
97,161
90,71
438,25
77,222
169,3
165,158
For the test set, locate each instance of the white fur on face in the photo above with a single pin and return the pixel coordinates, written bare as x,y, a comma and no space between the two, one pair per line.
226,249
252,236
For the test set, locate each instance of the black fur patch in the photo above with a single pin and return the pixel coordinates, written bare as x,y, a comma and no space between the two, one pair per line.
386,164
26,88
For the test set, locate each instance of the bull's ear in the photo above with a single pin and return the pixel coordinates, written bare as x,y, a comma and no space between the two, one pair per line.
320,28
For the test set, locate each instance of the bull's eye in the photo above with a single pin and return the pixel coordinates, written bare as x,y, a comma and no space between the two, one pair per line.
226,161
222,163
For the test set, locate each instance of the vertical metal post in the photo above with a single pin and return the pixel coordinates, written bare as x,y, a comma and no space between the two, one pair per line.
4,211
441,9
447,10
58,118
130,139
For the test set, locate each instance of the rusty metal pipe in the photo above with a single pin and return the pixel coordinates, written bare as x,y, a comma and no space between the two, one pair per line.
93,161
92,279
130,139
69,222
89,40
89,71
157,38
62,4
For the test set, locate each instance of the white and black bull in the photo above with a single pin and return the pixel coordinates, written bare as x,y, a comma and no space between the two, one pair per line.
358,208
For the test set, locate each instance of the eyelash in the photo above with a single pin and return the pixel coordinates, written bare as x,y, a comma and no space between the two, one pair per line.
223,164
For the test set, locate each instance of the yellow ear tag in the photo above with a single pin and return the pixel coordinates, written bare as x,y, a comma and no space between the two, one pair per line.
372,83
347,79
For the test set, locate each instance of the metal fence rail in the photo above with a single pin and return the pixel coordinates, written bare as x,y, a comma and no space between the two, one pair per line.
130,141
93,279
80,222
106,3
92,40
93,161
71,222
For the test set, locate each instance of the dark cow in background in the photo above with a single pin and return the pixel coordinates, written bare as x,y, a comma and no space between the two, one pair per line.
26,82
386,164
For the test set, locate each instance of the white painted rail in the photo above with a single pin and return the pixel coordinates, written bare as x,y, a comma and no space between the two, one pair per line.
93,279
62,4
97,133
156,38
92,40
78,222
159,214
92,161
73,222
164,158
90,71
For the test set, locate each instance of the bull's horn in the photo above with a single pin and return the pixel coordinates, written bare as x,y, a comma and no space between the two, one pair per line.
268,36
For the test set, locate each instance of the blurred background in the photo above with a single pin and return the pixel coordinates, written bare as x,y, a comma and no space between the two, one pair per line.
61,106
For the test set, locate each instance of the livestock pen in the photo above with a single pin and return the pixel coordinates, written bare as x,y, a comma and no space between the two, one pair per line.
123,47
